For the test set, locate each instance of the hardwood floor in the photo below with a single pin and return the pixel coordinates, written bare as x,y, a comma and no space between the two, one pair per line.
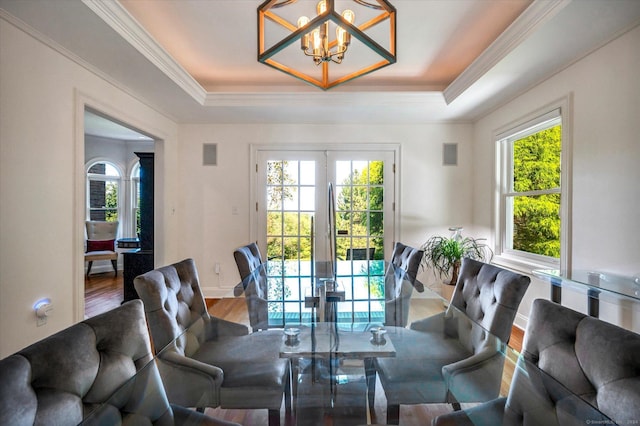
104,292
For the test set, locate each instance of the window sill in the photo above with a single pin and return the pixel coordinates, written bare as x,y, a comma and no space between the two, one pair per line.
521,264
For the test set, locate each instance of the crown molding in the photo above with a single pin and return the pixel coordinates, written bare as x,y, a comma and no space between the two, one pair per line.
537,14
257,99
118,18
47,41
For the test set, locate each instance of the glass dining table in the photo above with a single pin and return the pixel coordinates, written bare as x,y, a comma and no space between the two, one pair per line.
332,349
333,374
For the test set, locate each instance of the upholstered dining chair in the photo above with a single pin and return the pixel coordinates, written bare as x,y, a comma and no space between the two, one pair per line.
570,364
454,356
96,372
400,280
254,285
206,361
101,238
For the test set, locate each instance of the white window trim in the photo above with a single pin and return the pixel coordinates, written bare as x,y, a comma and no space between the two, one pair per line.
119,179
526,262
134,182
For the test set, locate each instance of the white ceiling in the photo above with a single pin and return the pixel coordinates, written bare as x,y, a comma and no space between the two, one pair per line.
196,60
101,126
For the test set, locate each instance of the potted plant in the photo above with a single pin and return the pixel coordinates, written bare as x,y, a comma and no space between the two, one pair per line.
444,254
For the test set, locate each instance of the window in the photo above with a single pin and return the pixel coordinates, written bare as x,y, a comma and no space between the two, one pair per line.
135,201
533,217
103,192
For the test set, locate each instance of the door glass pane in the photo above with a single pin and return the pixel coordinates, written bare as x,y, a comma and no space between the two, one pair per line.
359,215
290,210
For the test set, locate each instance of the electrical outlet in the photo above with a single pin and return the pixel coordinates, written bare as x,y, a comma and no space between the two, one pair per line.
42,310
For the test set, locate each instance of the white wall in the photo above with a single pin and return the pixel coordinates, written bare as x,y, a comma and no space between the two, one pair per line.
432,197
40,154
606,157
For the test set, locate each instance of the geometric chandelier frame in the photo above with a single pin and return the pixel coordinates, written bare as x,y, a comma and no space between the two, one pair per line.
380,12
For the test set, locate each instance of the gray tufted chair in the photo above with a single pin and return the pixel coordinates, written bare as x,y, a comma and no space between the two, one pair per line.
99,371
400,280
455,356
571,366
253,285
206,361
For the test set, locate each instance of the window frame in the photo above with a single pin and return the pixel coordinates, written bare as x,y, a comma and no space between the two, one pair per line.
134,190
558,112
89,177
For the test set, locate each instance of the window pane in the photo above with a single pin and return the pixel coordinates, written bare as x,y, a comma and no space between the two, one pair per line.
274,223
536,224
307,173
536,161
290,169
377,198
308,198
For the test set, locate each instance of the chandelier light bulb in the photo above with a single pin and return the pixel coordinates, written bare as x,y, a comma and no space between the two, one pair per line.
317,42
322,7
304,39
349,16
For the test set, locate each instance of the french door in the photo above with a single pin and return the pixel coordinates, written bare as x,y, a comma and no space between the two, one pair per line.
293,211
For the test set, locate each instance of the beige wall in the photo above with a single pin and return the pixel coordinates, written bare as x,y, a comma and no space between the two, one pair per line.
41,96
606,173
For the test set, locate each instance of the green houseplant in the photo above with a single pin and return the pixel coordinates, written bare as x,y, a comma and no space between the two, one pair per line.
444,254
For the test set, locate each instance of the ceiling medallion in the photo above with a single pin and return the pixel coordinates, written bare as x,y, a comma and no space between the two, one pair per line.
310,40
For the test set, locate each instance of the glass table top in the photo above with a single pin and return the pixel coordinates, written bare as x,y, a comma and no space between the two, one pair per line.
329,361
604,282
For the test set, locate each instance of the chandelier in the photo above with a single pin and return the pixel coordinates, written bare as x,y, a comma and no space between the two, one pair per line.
307,39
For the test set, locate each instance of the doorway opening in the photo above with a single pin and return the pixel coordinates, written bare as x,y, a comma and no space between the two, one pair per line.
111,194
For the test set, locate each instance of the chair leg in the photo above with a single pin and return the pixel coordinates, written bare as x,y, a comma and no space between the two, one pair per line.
456,406
274,417
393,414
287,395
89,267
370,374
114,262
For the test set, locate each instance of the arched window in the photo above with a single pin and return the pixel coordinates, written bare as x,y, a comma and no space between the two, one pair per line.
103,191
135,198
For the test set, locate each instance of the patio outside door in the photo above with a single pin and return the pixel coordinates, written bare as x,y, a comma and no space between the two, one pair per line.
293,228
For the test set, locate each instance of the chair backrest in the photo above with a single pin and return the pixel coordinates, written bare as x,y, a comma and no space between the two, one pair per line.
101,235
99,230
489,296
592,359
70,373
254,283
361,253
173,302
400,280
